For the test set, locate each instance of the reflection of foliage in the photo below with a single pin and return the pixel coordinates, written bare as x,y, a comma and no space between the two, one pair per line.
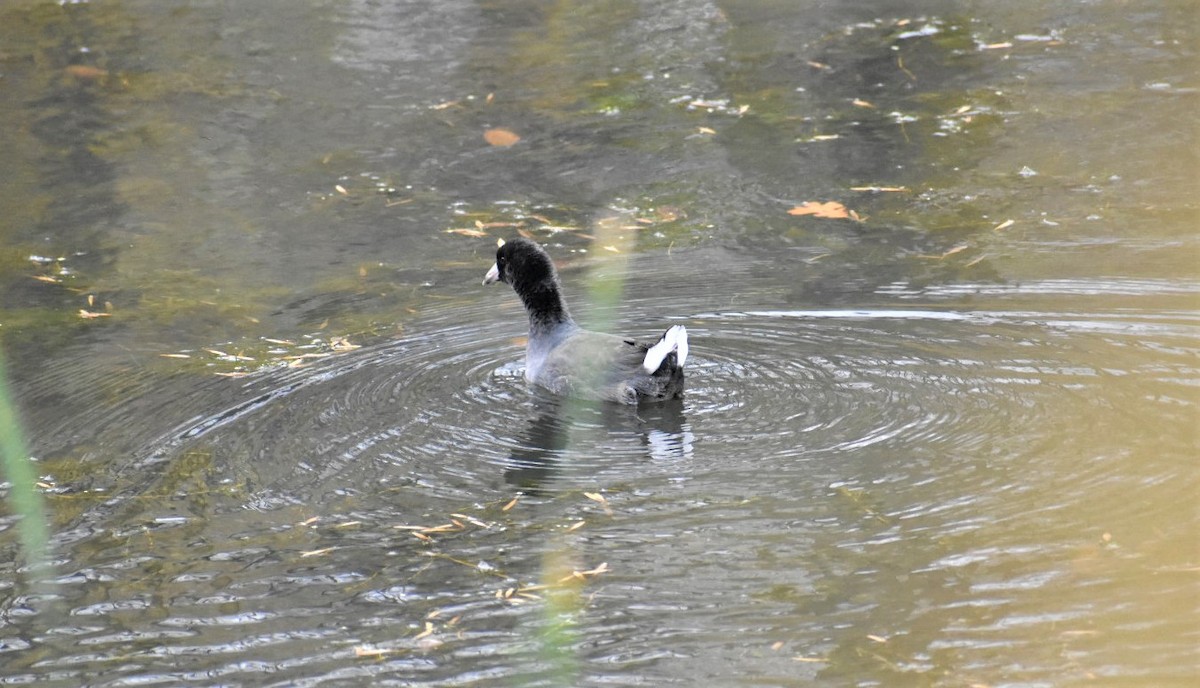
57,193
876,106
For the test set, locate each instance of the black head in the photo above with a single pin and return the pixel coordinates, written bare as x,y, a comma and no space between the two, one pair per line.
528,269
522,264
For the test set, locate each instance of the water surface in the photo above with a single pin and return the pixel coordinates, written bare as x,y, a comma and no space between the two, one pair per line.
282,433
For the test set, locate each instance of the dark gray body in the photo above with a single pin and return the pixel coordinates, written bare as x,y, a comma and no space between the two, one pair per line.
593,365
567,359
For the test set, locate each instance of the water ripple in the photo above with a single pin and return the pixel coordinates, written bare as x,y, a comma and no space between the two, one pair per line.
836,451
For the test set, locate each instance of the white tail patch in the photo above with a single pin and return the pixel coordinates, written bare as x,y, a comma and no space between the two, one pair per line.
674,339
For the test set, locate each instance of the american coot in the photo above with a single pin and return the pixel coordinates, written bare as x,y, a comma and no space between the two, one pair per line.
567,359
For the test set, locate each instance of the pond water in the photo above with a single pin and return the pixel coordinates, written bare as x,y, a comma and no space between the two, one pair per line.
280,432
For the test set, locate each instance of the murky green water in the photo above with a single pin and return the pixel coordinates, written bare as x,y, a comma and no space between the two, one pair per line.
282,435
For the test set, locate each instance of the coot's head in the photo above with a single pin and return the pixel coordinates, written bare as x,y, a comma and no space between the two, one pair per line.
522,264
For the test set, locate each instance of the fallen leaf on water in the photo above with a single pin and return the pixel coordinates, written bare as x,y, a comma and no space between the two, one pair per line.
174,355
829,209
599,498
602,568
88,315
956,249
946,254
877,638
996,46
428,631
47,278
86,72
500,137
369,652
777,645
341,189
706,130
472,520
467,232
809,659
1004,225
817,65
511,504
317,552
879,189
859,102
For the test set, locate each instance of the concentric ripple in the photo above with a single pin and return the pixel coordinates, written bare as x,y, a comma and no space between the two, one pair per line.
810,445
832,381
447,408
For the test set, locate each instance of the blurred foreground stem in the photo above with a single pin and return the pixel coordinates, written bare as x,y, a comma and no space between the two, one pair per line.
23,497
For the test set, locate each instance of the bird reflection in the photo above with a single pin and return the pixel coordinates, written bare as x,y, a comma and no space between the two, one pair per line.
661,429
